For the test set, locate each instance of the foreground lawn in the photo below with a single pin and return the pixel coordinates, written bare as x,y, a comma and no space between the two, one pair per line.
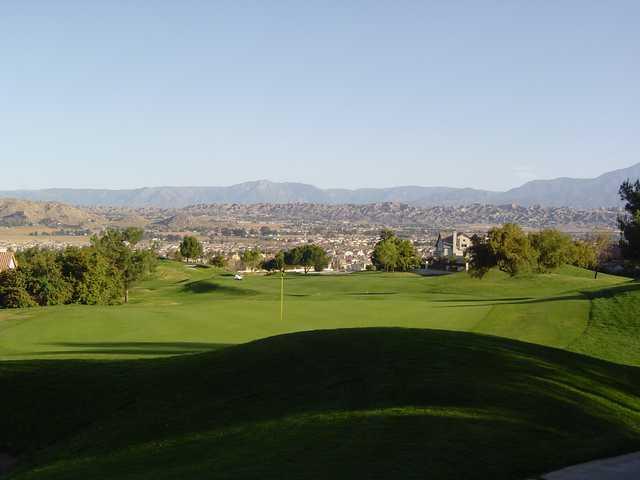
358,403
185,310
450,392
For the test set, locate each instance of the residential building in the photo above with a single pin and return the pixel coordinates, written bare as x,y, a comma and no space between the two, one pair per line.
7,261
454,244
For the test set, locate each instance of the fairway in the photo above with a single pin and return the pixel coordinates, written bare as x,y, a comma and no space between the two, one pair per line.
501,378
185,310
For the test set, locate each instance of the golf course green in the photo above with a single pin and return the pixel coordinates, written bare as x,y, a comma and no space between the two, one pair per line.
187,309
371,375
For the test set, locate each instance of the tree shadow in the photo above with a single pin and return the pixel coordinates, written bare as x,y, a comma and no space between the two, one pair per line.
611,291
208,286
579,295
131,348
478,300
358,294
493,302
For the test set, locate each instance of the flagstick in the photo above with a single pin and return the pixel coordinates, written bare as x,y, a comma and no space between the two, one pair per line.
281,297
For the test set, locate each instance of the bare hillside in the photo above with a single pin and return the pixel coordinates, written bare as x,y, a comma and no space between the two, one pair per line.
15,212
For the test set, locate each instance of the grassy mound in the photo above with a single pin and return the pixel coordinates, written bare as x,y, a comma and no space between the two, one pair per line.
354,403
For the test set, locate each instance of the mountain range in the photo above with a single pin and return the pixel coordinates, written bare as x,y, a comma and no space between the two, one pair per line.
596,192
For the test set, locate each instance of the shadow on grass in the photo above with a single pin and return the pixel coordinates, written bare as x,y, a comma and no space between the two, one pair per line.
580,295
490,302
388,393
479,300
209,286
611,291
131,348
358,294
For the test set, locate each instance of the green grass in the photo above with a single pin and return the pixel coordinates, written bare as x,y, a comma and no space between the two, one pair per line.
455,393
190,310
358,403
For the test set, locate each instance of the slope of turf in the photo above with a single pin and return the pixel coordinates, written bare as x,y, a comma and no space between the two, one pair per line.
186,310
357,403
613,330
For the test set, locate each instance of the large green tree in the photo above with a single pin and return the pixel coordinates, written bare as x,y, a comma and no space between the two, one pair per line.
251,259
508,247
392,253
132,264
218,260
13,289
92,278
553,247
630,222
307,256
45,281
513,249
585,255
190,248
385,255
275,263
319,257
482,258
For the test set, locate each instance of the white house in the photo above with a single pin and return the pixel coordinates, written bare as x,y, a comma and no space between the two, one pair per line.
454,244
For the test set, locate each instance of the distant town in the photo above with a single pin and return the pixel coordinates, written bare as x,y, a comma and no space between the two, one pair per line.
348,233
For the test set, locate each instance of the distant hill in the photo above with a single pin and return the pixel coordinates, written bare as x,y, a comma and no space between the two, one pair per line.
572,192
17,212
569,192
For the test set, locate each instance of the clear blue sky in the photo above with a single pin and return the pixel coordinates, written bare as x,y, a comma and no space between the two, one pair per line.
489,94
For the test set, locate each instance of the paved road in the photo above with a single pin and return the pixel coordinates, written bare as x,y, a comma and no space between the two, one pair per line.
625,467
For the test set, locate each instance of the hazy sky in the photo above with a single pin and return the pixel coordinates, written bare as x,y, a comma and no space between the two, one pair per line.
351,93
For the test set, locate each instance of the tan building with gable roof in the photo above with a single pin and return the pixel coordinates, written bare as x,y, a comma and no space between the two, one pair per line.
454,244
7,261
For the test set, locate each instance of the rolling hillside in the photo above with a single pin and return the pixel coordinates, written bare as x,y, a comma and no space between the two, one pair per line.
15,212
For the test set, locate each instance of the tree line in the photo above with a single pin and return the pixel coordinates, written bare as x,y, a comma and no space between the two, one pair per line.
101,273
513,251
308,256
